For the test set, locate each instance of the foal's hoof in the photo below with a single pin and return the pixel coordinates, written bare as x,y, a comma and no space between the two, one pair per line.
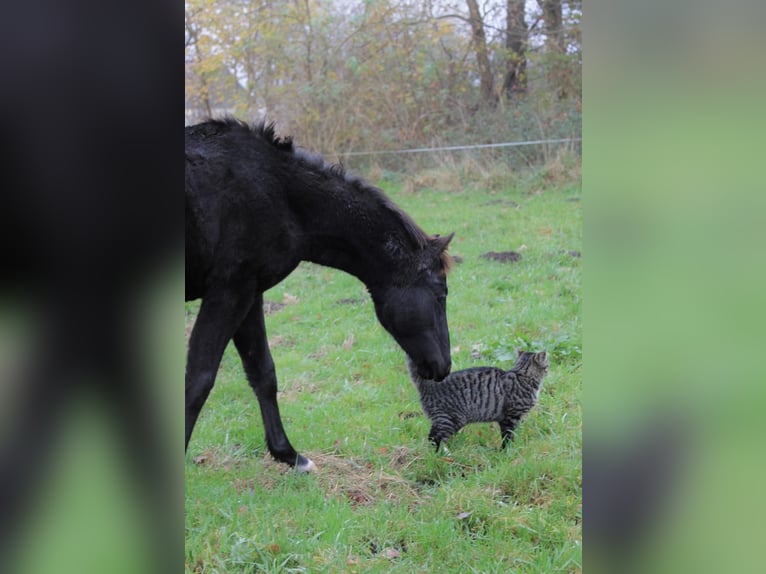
304,464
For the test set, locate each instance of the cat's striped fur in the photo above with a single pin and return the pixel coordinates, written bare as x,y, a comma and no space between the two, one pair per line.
481,394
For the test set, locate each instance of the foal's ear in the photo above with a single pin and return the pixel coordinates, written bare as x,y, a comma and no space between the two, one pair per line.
439,243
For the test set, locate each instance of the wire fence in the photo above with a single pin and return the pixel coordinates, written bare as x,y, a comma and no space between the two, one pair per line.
461,147
515,155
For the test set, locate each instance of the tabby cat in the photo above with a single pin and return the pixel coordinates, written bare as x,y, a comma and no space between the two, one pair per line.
481,394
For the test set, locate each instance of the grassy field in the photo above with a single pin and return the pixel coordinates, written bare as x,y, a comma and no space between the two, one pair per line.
381,499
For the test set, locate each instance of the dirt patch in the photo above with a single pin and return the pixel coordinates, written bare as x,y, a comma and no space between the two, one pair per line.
281,341
402,457
295,388
389,552
244,485
222,458
319,353
502,256
358,482
574,253
506,202
271,307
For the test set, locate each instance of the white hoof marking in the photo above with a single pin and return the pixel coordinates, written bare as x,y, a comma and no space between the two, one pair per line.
309,466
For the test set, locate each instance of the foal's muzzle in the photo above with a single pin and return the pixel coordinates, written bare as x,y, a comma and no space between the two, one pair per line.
435,371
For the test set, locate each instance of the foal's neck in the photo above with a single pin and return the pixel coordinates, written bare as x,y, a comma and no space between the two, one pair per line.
349,226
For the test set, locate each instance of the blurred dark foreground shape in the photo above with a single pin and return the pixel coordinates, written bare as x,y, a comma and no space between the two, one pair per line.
629,487
91,216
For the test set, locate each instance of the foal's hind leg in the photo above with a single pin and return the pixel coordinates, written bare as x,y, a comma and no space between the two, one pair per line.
252,344
219,316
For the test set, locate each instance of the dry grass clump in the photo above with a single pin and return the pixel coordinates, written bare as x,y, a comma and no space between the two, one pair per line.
359,482
439,179
563,169
471,174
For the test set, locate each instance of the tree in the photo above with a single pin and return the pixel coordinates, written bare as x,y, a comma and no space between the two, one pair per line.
486,78
197,84
555,45
353,75
554,37
515,80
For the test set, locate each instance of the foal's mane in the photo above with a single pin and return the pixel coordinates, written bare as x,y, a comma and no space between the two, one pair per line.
266,132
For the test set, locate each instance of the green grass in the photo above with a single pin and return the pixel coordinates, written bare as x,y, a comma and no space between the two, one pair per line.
381,499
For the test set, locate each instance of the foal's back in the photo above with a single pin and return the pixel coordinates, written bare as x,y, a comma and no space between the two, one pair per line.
238,219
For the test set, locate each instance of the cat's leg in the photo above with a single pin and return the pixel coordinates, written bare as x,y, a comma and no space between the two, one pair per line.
433,436
507,429
440,432
438,435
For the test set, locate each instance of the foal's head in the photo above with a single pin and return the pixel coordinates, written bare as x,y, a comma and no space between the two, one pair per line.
413,309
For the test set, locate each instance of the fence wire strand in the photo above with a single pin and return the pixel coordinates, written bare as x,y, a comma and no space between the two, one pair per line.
459,147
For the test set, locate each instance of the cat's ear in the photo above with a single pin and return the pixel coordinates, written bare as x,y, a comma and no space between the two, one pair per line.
541,358
519,352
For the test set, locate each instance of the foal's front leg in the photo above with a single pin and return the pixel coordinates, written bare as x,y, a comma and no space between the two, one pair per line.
252,345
